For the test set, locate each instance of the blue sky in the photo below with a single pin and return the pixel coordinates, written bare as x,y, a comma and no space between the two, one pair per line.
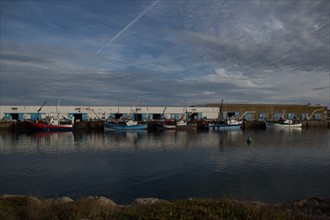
171,53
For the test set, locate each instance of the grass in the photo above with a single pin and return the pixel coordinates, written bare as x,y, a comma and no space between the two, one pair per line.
26,207
206,209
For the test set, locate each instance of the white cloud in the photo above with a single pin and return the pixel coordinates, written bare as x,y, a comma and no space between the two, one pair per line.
237,79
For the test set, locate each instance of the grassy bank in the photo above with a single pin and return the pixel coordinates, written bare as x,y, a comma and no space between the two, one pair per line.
27,207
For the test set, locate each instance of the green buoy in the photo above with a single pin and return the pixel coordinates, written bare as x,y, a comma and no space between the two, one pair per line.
249,140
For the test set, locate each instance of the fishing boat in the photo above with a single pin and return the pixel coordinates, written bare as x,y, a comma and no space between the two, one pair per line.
284,124
176,125
124,125
50,123
226,124
168,124
183,125
229,124
165,123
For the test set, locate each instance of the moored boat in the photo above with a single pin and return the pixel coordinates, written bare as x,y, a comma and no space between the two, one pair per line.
284,124
124,125
180,125
230,124
226,123
168,124
50,123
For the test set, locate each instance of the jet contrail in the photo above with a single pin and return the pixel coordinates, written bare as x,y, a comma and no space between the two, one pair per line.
127,26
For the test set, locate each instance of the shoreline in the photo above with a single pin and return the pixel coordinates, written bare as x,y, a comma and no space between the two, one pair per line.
99,207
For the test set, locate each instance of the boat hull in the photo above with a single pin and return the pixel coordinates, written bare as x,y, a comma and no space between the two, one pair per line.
185,127
36,126
162,126
230,124
115,126
223,127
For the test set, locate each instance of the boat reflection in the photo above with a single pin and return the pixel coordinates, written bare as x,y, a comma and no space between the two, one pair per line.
42,141
115,140
142,140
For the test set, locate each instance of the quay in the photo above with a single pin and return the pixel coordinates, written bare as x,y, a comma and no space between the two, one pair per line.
93,117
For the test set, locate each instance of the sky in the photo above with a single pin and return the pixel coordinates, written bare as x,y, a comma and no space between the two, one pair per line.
164,52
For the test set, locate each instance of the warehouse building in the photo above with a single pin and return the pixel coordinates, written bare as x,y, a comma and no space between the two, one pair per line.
251,112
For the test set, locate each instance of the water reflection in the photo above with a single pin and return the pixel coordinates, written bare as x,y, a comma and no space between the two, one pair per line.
130,140
40,142
279,165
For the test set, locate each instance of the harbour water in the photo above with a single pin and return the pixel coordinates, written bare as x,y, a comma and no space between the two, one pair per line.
277,167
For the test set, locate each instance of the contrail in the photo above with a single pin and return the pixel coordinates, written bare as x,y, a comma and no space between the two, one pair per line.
128,26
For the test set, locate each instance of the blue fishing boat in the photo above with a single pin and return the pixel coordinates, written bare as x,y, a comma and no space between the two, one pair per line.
231,124
124,125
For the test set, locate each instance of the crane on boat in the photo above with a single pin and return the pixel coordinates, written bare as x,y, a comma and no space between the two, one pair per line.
40,110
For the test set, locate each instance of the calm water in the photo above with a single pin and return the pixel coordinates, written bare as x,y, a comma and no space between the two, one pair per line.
279,165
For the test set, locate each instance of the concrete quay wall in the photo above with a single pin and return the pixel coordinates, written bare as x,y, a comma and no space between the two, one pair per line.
22,126
97,125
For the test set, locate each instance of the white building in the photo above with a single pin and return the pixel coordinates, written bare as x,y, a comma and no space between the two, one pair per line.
83,113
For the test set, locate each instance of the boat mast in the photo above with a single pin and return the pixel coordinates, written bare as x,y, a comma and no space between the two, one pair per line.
220,111
57,108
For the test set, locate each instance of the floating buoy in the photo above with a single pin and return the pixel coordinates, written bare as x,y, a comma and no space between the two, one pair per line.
249,140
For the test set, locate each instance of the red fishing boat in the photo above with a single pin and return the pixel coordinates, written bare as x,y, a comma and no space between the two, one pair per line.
50,123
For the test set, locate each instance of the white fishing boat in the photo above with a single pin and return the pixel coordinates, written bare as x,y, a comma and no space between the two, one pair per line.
284,124
172,124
